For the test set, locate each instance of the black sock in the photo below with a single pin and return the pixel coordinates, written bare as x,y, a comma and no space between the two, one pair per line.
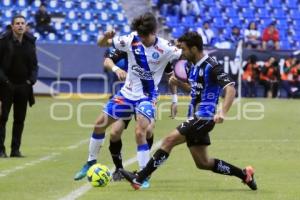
150,141
115,152
158,158
222,167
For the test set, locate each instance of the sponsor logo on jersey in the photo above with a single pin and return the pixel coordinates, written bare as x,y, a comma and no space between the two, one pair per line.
155,55
141,73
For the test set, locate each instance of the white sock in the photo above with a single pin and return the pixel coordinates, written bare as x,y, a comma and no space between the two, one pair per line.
143,155
96,142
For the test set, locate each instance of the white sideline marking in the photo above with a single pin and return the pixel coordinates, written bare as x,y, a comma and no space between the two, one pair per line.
86,187
32,163
45,158
75,146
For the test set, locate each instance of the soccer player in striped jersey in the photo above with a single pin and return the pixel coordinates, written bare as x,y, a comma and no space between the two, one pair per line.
206,79
116,61
148,56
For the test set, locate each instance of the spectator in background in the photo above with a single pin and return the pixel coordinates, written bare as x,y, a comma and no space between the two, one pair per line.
169,7
270,77
289,76
234,37
252,36
43,19
270,37
189,7
250,77
220,41
207,34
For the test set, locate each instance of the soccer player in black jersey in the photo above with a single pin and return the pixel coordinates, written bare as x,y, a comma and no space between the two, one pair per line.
206,79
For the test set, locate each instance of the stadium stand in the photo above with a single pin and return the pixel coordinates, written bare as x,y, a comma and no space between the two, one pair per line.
75,21
228,13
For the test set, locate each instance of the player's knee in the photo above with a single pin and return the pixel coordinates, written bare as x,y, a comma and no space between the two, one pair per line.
115,135
203,164
169,142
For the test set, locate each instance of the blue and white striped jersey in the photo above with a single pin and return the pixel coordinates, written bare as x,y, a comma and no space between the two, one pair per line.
146,65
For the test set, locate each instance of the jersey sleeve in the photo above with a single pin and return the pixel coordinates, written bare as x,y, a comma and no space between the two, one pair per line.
222,78
174,53
115,54
168,69
123,42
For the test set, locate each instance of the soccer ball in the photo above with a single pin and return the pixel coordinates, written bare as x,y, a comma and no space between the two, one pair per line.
180,70
99,175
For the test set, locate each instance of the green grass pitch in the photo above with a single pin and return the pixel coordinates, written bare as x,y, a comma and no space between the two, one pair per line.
56,149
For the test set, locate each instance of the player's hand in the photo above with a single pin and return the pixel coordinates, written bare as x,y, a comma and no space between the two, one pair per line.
174,81
219,117
109,34
173,110
121,74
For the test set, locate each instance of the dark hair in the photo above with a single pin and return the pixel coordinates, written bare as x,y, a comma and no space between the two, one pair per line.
252,59
252,22
144,24
191,39
17,16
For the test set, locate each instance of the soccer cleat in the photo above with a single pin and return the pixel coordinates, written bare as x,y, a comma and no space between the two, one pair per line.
131,177
146,184
117,176
249,180
82,173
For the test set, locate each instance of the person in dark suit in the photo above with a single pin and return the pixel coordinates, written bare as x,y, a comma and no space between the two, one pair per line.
18,73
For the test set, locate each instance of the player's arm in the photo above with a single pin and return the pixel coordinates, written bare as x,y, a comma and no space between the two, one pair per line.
183,85
105,40
228,100
111,66
224,80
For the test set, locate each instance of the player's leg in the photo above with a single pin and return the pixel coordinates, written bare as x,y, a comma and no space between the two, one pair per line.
150,134
96,141
115,147
159,157
198,141
203,161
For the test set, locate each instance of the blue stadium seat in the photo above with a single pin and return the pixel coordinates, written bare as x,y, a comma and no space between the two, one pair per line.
7,3
248,13
263,13
285,45
51,37
231,12
84,5
218,23
172,21
294,14
177,32
125,29
215,12
21,3
259,3
188,21
209,3
234,21
226,3
292,4
68,4
99,5
282,24
276,3
243,3
87,15
279,13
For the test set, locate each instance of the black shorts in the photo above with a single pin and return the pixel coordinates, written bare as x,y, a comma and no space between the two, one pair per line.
126,122
196,131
